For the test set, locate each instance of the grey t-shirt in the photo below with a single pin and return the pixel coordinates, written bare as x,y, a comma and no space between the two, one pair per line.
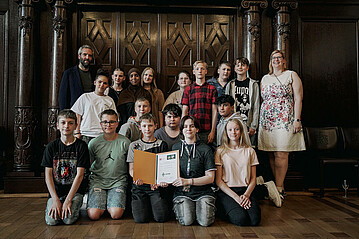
161,134
157,146
109,169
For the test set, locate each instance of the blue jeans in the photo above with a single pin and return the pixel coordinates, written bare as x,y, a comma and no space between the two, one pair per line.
76,204
187,210
107,198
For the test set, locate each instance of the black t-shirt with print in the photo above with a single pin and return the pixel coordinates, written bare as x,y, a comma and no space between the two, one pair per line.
242,98
64,161
202,161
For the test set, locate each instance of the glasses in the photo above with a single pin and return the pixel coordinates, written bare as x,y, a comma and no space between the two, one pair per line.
277,58
108,122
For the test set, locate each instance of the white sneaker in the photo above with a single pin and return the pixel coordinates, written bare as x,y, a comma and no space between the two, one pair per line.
259,180
273,193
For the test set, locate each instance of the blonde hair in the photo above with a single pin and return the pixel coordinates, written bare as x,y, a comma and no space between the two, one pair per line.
153,85
243,142
200,62
270,60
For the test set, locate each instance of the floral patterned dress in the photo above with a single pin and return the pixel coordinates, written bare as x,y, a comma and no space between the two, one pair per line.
277,115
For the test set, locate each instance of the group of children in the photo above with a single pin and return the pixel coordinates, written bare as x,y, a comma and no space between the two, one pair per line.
193,130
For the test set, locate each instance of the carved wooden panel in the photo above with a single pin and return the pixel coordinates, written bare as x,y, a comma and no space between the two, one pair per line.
138,40
330,73
178,47
216,39
98,29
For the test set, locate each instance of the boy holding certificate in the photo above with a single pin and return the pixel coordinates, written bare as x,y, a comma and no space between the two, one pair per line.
147,197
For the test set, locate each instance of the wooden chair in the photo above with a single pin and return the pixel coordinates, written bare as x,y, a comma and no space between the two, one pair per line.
328,145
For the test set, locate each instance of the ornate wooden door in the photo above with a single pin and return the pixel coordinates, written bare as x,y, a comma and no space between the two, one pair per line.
168,43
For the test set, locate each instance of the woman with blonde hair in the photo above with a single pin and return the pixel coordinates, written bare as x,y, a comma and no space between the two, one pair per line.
280,128
236,163
149,83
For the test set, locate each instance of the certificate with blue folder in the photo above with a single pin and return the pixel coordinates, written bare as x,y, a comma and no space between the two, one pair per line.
156,168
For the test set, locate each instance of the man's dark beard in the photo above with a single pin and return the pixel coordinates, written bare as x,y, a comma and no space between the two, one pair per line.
85,65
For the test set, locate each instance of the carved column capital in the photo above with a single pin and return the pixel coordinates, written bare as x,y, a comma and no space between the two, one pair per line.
249,3
293,4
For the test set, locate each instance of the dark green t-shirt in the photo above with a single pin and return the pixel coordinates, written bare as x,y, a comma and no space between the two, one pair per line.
86,80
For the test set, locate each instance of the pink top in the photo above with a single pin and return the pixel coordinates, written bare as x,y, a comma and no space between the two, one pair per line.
236,166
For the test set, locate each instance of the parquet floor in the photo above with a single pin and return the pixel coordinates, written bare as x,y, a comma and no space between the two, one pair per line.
300,217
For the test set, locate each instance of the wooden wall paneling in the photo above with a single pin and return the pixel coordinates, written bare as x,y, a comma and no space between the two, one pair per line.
138,40
330,72
98,30
178,48
216,40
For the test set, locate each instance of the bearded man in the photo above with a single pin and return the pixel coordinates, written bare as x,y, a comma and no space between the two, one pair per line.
78,79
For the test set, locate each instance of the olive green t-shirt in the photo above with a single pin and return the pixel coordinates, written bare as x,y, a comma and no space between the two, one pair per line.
109,168
86,80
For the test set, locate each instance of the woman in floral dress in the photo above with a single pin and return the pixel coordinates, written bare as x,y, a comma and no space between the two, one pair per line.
280,128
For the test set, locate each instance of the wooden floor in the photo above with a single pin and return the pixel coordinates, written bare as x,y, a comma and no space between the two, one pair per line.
300,217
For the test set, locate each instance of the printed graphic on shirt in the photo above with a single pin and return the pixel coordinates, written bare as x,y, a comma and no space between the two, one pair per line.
242,98
64,167
109,156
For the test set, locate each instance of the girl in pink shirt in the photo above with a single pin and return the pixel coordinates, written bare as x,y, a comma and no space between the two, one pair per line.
236,164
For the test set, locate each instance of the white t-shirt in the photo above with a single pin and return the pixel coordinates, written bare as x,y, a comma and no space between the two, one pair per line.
90,106
236,166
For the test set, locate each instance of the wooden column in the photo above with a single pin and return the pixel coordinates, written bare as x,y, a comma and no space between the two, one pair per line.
25,116
57,63
281,26
252,34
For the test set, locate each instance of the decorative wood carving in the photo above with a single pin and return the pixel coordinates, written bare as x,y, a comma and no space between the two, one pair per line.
51,123
97,31
252,34
59,25
248,4
293,4
281,26
178,48
139,37
217,43
254,28
25,126
25,24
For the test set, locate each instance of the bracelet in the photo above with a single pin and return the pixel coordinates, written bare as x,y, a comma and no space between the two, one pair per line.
192,181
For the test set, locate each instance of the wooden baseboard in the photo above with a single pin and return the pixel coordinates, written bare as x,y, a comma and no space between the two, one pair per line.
24,182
